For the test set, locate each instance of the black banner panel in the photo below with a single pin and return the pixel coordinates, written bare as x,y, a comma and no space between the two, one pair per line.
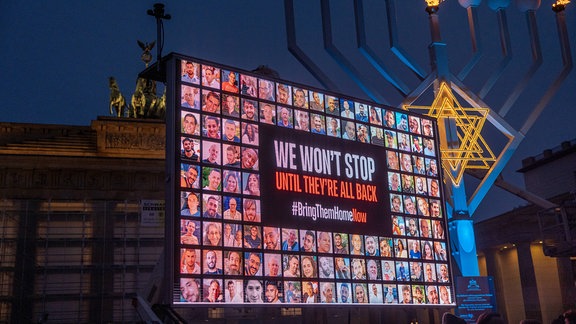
293,195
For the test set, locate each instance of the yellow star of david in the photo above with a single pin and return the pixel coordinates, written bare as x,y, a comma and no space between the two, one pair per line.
466,148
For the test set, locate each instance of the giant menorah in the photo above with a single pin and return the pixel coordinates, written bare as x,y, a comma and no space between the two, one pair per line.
462,114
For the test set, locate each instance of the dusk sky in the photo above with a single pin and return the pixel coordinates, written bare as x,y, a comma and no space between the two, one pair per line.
57,56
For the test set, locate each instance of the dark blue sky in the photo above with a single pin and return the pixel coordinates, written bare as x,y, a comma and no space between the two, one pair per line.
57,56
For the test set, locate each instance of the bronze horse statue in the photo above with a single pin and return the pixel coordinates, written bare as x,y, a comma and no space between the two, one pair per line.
117,101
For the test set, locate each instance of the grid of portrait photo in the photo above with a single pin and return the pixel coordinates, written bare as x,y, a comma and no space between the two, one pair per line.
229,253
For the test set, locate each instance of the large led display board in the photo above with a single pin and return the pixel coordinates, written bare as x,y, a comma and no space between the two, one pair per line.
293,195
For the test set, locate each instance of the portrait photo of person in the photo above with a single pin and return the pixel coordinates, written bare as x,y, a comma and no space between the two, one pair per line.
211,127
231,155
190,261
406,294
402,121
417,145
253,291
333,127
283,94
189,122
346,109
232,208
234,291
290,239
231,130
438,229
291,264
332,106
440,251
316,101
251,210
272,238
361,112
292,292
213,291
326,267
430,272
375,115
327,293
431,167
232,181
248,85
402,271
414,252
252,237
358,269
388,271
398,227
230,105
429,147
273,264
212,206
371,244
189,232
394,183
390,139
249,159
377,136
252,264
324,242
342,268
249,111
317,124
425,228
251,184
427,128
405,162
250,134
228,237
423,206
390,294
230,81
309,292
435,208
389,119
396,205
392,160
302,120
211,76
210,102
341,243
285,118
418,296
266,89
362,133
190,204
433,188
309,266
190,72
375,293
360,294
432,295
385,245
300,98
267,113
349,130
273,291
400,248
409,203
373,271
344,293
356,244
189,148
403,142
212,235
212,261
211,153
421,188
414,124
190,97
445,295
189,176
416,273
189,290
308,241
